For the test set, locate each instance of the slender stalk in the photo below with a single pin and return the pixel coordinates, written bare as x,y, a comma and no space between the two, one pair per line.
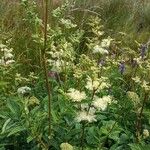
45,63
82,135
83,123
139,119
93,94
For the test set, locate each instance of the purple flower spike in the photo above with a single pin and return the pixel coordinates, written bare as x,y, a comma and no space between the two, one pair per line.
52,74
122,67
143,50
101,62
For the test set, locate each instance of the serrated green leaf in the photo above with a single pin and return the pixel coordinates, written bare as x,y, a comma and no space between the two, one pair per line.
14,107
29,139
5,125
16,130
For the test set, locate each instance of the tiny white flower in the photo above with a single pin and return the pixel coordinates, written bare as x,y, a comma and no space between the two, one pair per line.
2,46
92,110
136,79
104,85
8,55
6,50
6,59
66,146
8,62
92,85
96,49
2,62
23,90
99,49
106,42
56,64
85,116
107,99
99,103
97,84
145,85
84,106
145,133
100,33
76,95
102,103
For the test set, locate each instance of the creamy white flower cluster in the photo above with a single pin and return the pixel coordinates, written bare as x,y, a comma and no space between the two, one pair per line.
87,112
97,84
57,64
67,23
103,47
85,116
7,56
144,84
61,57
102,103
23,90
66,146
75,95
146,133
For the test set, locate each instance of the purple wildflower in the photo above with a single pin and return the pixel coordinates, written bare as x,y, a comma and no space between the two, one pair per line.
143,50
52,74
122,67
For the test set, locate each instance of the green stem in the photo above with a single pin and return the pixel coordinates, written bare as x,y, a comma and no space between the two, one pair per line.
139,119
93,94
82,135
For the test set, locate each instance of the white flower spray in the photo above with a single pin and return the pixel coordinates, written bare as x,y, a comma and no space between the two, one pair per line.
23,90
75,95
6,55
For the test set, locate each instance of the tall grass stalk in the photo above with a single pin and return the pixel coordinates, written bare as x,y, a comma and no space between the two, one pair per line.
46,2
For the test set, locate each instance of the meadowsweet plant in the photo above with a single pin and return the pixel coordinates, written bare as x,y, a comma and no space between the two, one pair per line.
6,55
23,90
61,56
7,68
89,98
